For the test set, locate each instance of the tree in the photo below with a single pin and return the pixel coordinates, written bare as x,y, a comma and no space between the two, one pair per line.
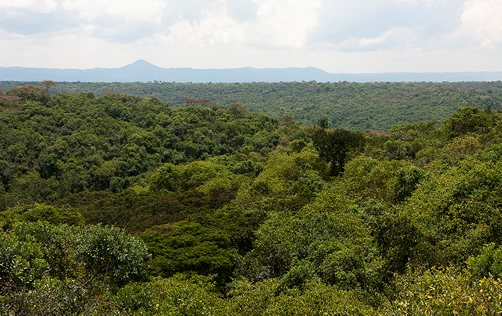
48,84
334,147
467,120
89,254
190,248
289,120
323,122
238,109
201,102
35,92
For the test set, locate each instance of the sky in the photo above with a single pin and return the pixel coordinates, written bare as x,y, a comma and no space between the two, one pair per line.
338,36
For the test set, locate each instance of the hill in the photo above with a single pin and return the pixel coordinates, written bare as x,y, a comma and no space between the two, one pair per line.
144,71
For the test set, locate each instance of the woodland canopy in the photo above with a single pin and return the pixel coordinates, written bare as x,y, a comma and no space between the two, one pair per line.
124,205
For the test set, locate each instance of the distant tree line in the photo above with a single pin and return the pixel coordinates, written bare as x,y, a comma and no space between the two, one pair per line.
354,106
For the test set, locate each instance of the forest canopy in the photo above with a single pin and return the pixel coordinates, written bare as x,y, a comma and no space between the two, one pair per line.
125,205
347,105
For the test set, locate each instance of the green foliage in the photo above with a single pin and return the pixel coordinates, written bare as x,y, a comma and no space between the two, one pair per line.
387,181
190,248
21,261
398,241
49,297
468,120
315,299
369,178
109,252
288,182
75,143
408,179
201,175
318,299
315,245
236,197
487,264
39,212
248,168
347,105
413,131
30,188
334,147
93,253
136,212
298,275
458,209
248,298
174,296
444,292
240,221
323,122
34,92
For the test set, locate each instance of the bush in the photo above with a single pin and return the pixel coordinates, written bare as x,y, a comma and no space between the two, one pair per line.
110,253
467,120
487,264
174,296
93,253
48,297
21,262
444,292
190,248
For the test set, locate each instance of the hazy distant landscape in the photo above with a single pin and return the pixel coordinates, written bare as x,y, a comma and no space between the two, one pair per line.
144,72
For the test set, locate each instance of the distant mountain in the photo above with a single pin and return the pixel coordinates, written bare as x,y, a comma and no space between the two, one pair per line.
144,71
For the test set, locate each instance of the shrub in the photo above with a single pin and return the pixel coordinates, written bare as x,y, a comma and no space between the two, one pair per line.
444,292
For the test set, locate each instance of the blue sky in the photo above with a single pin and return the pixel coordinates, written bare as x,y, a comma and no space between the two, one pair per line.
339,36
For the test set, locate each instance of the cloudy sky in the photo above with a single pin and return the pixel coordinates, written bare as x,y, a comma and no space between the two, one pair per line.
339,36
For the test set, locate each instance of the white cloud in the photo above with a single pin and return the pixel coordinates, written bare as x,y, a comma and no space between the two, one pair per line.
213,27
336,35
42,6
483,20
242,10
271,23
345,24
124,9
120,21
285,23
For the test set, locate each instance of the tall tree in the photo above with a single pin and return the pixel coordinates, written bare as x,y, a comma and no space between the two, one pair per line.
334,146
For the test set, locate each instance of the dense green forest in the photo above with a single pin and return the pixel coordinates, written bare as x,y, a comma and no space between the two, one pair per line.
353,106
124,205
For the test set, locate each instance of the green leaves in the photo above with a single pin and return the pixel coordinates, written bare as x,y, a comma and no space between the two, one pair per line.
202,175
93,253
443,292
234,196
316,245
76,142
468,120
21,262
488,264
334,147
176,296
190,248
110,253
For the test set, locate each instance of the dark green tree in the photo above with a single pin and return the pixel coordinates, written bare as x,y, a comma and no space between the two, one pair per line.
334,146
323,122
468,120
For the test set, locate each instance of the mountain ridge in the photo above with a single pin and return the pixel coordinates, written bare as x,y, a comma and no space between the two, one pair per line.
144,71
